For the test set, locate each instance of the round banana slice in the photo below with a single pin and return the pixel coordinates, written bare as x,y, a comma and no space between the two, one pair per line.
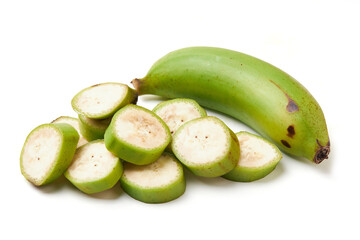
137,135
47,152
258,157
206,146
178,111
103,100
74,122
158,182
94,168
93,129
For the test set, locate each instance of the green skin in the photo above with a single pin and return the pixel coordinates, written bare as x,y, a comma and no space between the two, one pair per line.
222,165
130,97
93,129
251,90
131,153
198,108
60,120
248,174
70,138
101,184
155,195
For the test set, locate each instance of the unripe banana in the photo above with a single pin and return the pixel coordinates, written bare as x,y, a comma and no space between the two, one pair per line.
258,157
251,90
137,135
93,168
157,182
47,152
206,146
102,100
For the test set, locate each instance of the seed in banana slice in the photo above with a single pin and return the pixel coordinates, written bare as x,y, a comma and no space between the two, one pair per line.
103,100
47,152
178,111
93,129
158,182
206,146
258,158
94,168
137,135
74,122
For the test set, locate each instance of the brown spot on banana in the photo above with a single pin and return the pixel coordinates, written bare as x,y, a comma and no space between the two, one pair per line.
291,106
291,131
285,143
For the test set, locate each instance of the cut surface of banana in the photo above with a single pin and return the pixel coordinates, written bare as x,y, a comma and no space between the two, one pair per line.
137,135
94,168
157,182
47,152
258,157
178,111
206,146
93,129
75,123
103,100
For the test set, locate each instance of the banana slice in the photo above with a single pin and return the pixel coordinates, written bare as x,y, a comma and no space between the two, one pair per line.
47,152
74,122
206,146
258,157
103,100
94,168
93,129
158,182
137,135
178,111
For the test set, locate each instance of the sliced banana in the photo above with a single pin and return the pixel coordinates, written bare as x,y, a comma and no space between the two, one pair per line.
74,122
47,152
258,157
158,182
137,135
93,129
206,146
94,168
178,111
103,100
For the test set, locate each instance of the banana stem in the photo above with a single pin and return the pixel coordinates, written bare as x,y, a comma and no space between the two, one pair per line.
136,82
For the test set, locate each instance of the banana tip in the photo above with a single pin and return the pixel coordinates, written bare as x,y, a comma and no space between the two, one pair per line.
322,153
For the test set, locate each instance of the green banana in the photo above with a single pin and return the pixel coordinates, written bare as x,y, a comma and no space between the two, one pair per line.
246,88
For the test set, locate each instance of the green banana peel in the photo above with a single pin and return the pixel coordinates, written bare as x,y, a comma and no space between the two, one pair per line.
253,91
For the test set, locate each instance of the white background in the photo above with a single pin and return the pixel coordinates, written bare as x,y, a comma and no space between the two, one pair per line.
50,50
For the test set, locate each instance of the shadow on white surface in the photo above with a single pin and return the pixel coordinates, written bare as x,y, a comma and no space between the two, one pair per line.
222,182
324,167
55,186
275,174
62,183
113,193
